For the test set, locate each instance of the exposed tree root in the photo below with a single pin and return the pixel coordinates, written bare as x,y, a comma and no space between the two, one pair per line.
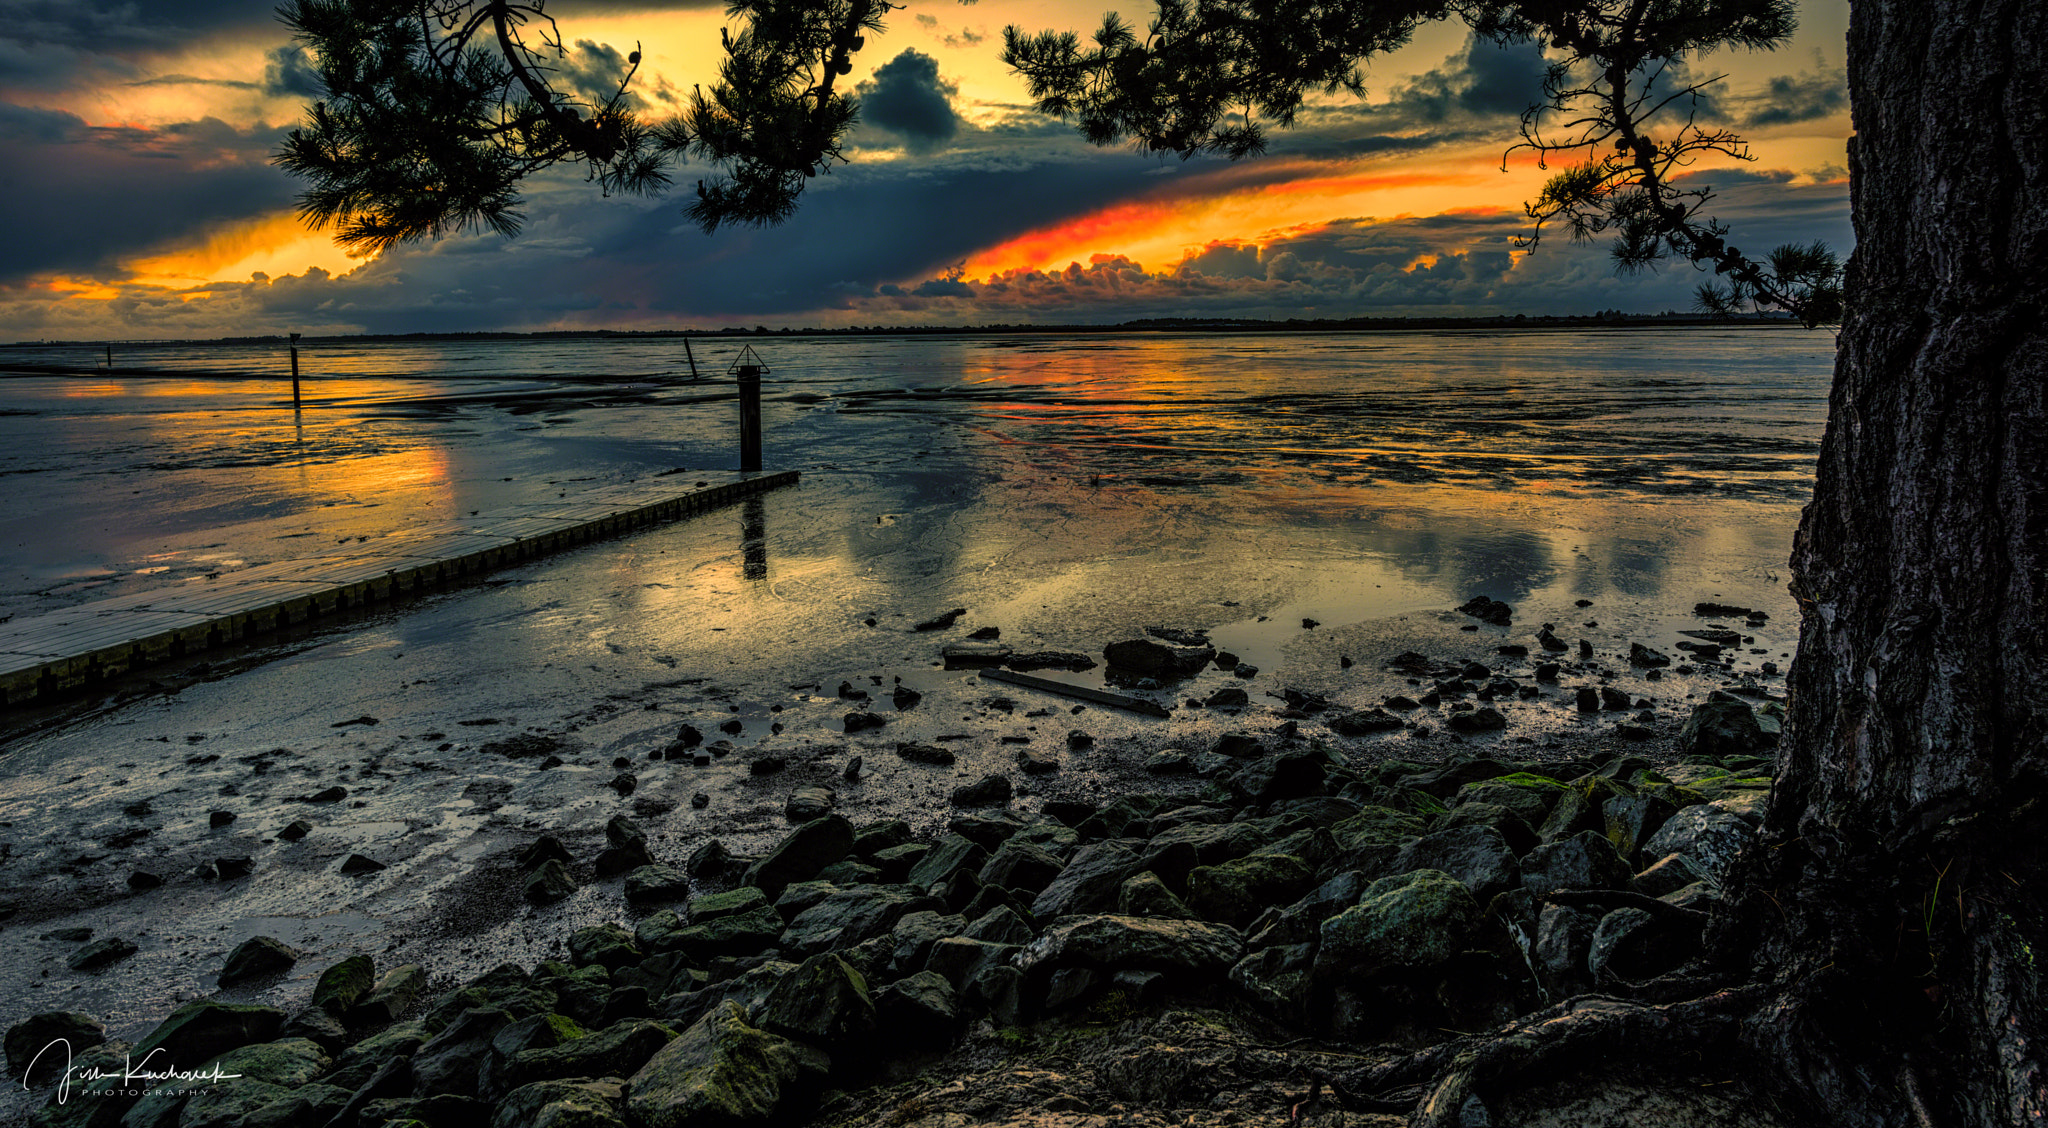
1462,1076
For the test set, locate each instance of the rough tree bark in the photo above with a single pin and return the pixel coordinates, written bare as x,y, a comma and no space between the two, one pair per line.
1898,898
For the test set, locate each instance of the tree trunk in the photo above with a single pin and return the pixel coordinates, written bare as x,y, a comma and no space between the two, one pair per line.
1899,895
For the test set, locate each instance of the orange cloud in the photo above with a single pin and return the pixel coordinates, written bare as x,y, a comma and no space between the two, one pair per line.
1253,204
274,245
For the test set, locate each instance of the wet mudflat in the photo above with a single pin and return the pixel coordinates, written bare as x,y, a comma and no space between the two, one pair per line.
1069,495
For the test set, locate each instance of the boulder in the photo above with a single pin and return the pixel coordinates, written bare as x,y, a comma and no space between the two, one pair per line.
450,1061
203,1030
1709,835
1584,861
561,1104
1476,855
806,804
851,916
1158,659
1564,936
256,956
737,934
615,1051
989,829
608,945
917,1010
947,857
988,791
801,854
1271,779
1721,726
1184,948
1145,895
823,1003
1021,866
549,882
723,1071
101,953
1411,920
1236,891
912,938
26,1039
1090,881
715,906
657,883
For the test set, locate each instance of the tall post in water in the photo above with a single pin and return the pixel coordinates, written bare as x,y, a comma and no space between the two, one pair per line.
748,370
295,371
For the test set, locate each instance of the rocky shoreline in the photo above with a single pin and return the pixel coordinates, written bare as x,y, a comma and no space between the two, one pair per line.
1295,873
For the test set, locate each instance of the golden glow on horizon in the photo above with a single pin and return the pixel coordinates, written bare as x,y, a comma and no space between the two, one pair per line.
276,245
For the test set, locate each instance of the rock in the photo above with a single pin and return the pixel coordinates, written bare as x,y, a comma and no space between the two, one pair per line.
1584,861
947,857
258,955
988,791
1236,891
864,722
1145,895
1090,881
1229,697
295,830
1412,920
262,1073
1270,779
1613,699
1631,819
1707,834
391,997
942,621
101,953
1352,723
657,883
722,1071
624,783
1478,856
1722,726
925,753
1240,744
1186,949
141,881
1564,936
356,865
341,985
1021,866
619,1050
807,804
1149,656
904,698
609,946
1587,699
989,829
1049,660
1640,655
316,1025
450,1061
561,1104
1668,875
1037,763
1488,610
801,854
919,1010
1169,761
713,906
204,1030
712,862
974,655
1486,718
26,1039
549,882
1000,925
823,1003
850,916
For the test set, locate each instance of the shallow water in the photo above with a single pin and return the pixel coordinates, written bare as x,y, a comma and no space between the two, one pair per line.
1069,491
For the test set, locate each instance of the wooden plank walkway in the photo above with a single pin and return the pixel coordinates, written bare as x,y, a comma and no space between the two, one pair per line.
67,649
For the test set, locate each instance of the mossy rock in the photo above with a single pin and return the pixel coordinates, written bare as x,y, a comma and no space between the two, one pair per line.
1238,890
722,1071
1412,920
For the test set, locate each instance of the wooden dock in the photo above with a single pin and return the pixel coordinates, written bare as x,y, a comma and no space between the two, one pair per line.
68,649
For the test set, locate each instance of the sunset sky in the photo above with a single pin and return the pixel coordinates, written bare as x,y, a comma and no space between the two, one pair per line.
135,139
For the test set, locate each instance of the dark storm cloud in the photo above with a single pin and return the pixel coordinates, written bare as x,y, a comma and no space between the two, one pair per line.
1486,80
289,72
909,99
1789,99
79,195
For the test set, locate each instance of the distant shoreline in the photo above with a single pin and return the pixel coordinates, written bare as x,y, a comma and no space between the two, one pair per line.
1516,323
